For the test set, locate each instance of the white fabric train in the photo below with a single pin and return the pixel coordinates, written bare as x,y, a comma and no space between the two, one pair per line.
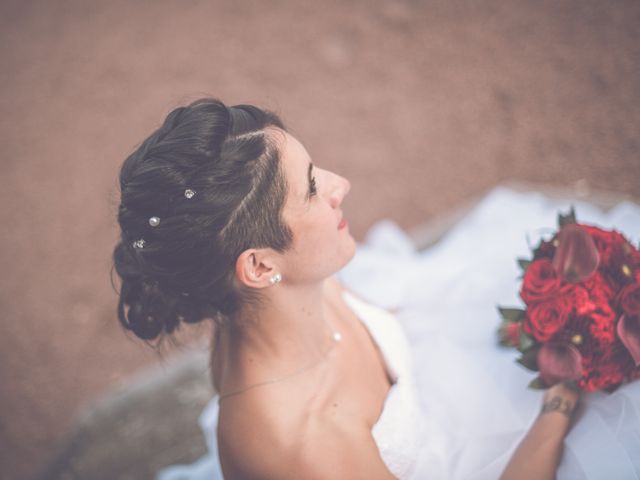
460,404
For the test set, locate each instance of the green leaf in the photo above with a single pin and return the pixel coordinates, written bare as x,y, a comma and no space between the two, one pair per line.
529,359
524,264
537,384
573,385
511,314
612,388
526,342
568,218
536,251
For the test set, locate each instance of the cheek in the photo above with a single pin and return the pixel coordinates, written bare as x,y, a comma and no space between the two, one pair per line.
321,249
318,234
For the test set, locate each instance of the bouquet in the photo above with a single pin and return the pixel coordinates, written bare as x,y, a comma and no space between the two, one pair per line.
581,323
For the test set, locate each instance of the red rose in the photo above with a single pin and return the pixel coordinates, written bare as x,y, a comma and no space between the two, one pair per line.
629,299
608,243
544,319
540,282
599,287
603,324
606,370
509,334
604,375
581,300
602,239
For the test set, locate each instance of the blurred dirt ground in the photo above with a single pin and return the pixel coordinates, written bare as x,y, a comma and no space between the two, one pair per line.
423,105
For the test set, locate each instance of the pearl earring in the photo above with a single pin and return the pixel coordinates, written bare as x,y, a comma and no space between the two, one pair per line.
275,279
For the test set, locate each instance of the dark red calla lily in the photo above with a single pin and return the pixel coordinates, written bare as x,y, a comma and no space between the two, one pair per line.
628,330
559,362
576,257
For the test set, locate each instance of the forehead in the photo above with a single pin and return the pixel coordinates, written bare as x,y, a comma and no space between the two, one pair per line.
295,163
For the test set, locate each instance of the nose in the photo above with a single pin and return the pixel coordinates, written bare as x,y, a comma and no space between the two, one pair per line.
340,189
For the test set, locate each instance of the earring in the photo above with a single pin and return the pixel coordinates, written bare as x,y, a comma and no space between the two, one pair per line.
275,279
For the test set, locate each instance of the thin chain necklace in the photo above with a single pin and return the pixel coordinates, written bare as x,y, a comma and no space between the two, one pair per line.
335,335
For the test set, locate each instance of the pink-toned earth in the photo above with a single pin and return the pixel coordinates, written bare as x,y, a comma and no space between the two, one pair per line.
422,105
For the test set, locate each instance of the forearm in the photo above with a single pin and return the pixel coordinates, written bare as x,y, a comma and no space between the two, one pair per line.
538,455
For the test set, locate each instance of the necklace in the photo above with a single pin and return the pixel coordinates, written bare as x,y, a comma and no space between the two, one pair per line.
335,335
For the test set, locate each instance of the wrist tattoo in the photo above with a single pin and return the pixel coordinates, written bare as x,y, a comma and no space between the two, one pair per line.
557,404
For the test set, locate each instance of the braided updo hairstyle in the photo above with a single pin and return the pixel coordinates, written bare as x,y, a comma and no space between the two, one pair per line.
212,176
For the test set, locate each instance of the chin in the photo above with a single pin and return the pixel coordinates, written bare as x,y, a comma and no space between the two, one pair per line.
342,258
351,252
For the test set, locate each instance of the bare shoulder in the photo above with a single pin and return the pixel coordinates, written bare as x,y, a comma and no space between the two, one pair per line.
251,427
266,446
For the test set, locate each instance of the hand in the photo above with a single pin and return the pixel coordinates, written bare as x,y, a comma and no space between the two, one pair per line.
560,398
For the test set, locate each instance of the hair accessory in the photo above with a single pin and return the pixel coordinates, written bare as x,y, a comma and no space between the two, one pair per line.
154,221
139,244
275,279
189,193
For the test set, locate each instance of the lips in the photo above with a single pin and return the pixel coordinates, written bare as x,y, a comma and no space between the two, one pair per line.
342,224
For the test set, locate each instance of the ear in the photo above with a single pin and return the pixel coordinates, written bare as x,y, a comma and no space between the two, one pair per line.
255,267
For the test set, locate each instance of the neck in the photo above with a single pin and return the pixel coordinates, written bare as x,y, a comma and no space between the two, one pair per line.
287,331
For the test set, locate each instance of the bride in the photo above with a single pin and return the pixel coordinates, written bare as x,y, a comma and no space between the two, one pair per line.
224,216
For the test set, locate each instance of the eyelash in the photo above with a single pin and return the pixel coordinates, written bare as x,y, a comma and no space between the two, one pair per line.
313,190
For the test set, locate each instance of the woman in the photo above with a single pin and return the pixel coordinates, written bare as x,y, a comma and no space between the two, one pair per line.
224,216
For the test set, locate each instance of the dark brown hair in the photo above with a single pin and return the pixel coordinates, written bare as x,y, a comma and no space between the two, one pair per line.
185,269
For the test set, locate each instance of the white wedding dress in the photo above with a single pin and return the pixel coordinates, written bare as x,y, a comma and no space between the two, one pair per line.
459,404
